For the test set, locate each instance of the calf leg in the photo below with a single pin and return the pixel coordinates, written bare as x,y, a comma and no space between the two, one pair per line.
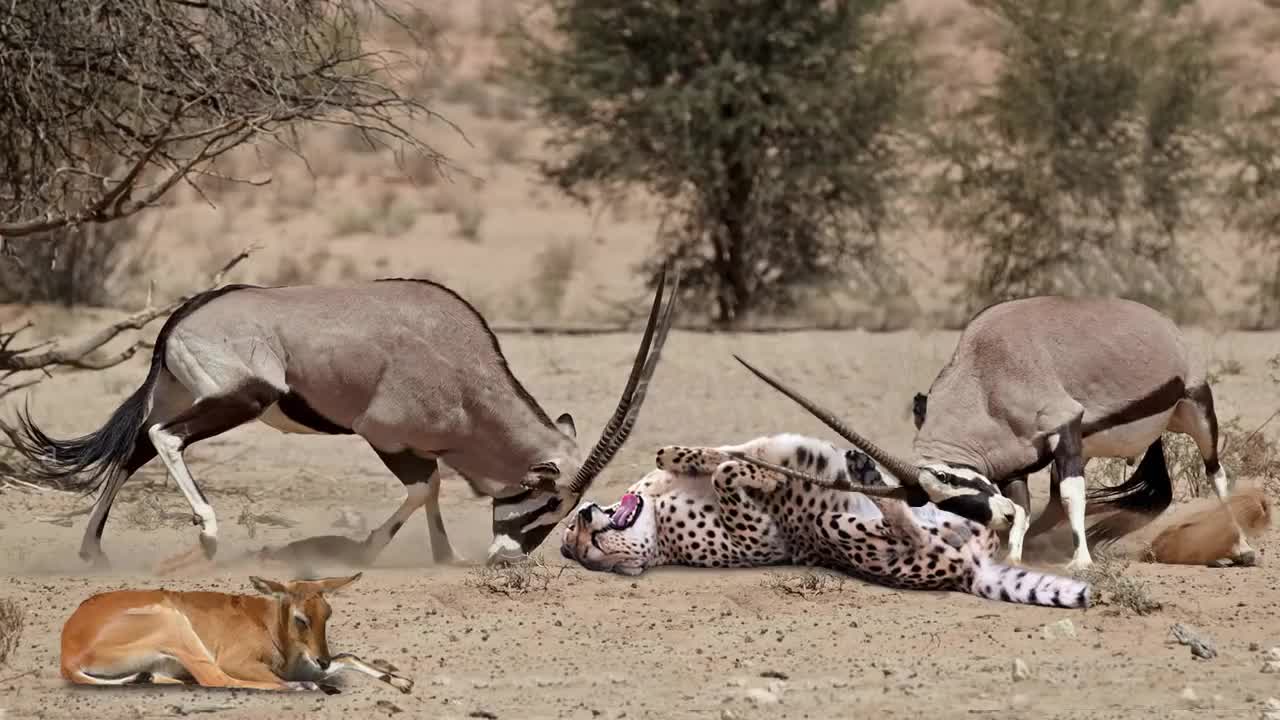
347,662
1195,416
421,479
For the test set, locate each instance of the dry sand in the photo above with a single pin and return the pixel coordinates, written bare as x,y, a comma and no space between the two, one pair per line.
673,643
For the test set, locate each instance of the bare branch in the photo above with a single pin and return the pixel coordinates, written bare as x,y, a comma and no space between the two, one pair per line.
78,354
108,106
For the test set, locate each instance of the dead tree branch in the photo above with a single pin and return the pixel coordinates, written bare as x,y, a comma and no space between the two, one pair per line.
42,358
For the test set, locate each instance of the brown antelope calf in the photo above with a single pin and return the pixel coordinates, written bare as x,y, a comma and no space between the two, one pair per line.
210,638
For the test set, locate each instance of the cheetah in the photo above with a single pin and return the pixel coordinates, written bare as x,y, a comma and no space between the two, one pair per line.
701,507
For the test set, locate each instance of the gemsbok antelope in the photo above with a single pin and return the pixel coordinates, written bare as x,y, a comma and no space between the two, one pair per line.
407,365
214,639
1052,381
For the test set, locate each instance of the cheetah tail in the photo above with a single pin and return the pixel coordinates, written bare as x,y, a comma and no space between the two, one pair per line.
1030,587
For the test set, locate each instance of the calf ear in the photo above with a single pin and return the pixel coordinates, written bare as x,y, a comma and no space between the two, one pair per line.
565,423
268,587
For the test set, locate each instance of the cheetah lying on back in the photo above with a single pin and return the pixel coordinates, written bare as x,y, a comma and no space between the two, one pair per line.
703,508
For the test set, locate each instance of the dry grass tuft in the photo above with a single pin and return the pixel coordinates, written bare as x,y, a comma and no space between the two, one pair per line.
1108,577
12,620
251,520
805,585
553,270
516,578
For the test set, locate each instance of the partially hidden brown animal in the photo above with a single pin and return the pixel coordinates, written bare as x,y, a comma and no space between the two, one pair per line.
1207,535
273,641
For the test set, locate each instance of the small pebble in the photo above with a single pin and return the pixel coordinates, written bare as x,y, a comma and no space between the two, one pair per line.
1020,670
760,696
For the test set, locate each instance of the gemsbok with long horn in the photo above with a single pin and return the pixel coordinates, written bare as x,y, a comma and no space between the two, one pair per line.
1052,381
408,365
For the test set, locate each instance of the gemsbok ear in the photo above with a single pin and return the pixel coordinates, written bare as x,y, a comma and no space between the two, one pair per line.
565,423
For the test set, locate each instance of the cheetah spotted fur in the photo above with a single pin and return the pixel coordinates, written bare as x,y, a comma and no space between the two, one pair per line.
703,508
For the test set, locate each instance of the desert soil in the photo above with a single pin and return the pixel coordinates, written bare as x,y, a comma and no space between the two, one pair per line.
673,643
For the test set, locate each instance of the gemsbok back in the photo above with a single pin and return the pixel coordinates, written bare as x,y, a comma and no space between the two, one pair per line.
214,639
1052,381
407,365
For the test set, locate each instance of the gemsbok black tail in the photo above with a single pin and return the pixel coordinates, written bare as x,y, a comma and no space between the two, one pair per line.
83,463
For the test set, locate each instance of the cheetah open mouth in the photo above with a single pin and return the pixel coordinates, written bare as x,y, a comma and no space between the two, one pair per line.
628,510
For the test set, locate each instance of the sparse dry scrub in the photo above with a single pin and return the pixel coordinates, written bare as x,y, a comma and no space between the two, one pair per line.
469,216
516,578
250,521
12,620
554,267
1108,576
1076,171
770,176
807,584
22,366
108,111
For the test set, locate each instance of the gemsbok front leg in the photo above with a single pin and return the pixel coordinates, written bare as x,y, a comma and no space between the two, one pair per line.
421,479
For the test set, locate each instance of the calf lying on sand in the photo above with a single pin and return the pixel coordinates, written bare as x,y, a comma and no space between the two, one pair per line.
276,642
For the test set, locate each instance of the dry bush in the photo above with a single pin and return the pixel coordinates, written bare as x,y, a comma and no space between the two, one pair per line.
1108,577
12,620
71,266
108,107
470,216
516,578
553,271
506,145
353,221
807,584
251,520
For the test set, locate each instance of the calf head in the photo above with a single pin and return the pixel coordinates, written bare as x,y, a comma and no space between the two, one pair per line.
302,614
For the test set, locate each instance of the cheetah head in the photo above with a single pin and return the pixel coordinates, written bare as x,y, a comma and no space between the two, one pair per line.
620,538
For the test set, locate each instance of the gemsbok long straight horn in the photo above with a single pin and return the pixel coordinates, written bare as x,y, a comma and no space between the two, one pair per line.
407,365
961,493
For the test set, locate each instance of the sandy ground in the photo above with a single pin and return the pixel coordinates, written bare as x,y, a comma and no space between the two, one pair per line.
674,643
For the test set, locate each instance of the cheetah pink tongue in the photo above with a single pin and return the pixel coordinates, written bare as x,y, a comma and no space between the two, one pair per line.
625,513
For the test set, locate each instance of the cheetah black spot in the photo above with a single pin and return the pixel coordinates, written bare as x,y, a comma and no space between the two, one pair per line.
802,456
821,462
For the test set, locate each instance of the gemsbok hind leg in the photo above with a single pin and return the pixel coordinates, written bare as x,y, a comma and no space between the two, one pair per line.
168,399
421,479
1195,416
207,417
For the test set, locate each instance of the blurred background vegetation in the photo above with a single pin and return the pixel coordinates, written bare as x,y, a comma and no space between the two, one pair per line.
869,163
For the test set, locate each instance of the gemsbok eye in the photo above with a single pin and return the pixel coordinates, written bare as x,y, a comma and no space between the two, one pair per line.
301,620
